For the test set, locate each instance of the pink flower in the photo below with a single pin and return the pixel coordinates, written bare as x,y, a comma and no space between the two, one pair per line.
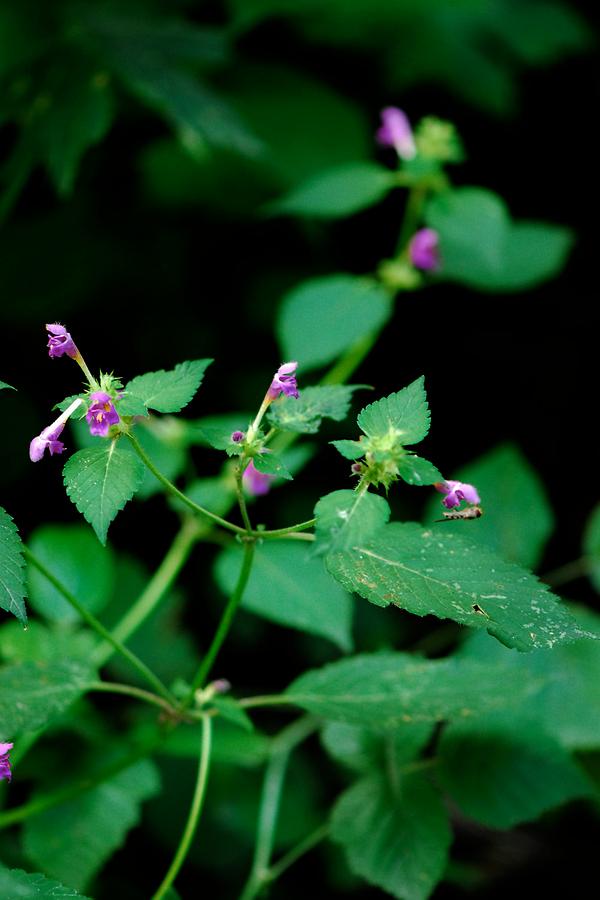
48,438
423,249
101,414
256,483
456,492
284,381
5,772
395,131
60,341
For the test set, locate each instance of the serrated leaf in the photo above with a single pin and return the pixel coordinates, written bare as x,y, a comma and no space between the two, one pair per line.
321,318
12,576
435,572
518,519
15,884
397,840
290,586
337,192
270,463
416,470
169,391
31,694
503,770
346,517
304,415
388,690
368,749
73,840
101,480
72,553
64,404
349,449
405,414
3,385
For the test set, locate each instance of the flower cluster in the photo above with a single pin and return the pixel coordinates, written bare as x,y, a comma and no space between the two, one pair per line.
5,773
456,492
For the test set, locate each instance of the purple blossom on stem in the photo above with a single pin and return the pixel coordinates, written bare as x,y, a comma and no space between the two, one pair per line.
423,249
395,131
101,414
48,438
256,483
60,342
5,772
456,492
284,382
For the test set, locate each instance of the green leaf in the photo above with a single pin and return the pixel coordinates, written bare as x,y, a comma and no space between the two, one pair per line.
42,643
416,470
197,431
67,402
365,749
398,839
129,405
481,247
518,519
72,553
3,385
219,437
290,586
436,572
19,885
12,581
231,710
304,415
73,840
169,392
388,690
33,693
271,464
337,192
321,318
502,770
349,449
347,517
101,480
591,546
405,414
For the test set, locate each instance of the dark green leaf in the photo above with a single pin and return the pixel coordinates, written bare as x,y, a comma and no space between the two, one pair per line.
43,643
416,470
33,693
305,414
169,392
366,749
15,884
591,546
12,581
270,463
290,586
437,572
101,480
337,192
321,318
347,517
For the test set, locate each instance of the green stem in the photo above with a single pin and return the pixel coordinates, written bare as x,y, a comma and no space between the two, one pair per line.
224,624
266,700
84,368
302,847
154,591
239,485
412,217
99,628
129,690
281,749
172,489
195,811
283,532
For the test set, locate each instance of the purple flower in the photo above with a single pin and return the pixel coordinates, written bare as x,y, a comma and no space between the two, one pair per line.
5,772
395,131
424,250
237,436
284,381
456,492
46,440
101,414
60,342
256,483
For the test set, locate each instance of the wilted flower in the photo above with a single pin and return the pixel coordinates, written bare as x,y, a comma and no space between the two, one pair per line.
395,131
423,249
284,381
48,438
456,492
255,482
101,414
60,342
5,772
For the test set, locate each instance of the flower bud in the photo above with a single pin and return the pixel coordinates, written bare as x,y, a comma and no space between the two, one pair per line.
395,131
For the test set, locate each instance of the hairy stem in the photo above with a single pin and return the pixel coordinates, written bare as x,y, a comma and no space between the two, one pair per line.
195,811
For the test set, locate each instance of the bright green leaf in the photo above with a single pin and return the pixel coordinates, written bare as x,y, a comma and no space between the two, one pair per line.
129,405
15,884
337,192
347,517
169,392
405,413
388,690
101,480
321,318
289,585
271,464
349,449
81,564
416,470
398,839
33,693
305,414
12,581
73,840
3,385
437,572
502,770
